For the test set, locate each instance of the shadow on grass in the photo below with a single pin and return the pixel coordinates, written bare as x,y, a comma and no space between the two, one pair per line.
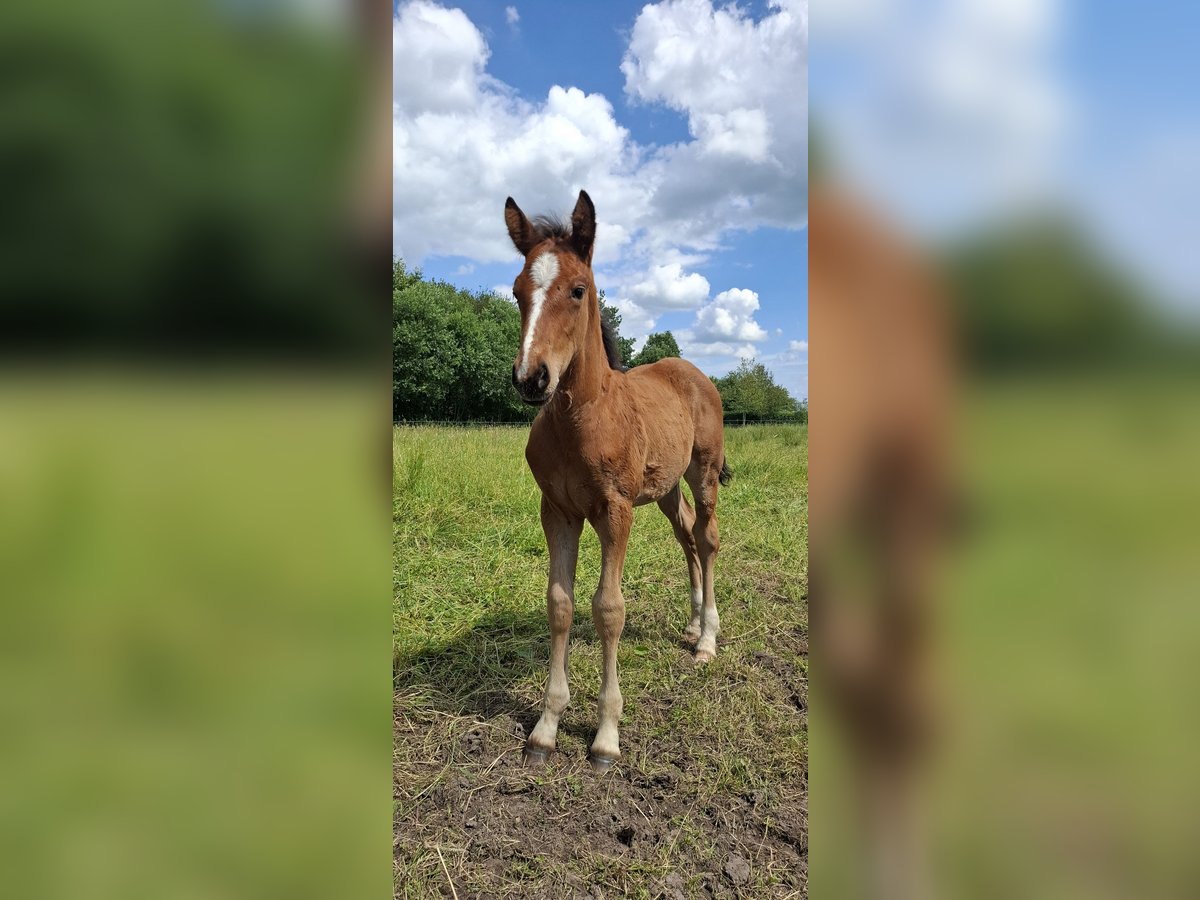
476,674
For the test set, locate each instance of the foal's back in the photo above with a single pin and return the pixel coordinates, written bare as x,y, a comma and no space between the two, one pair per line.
673,381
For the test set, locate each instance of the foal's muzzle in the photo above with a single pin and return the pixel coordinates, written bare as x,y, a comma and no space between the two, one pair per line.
532,387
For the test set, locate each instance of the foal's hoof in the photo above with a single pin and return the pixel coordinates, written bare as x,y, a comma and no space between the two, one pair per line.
688,639
600,763
535,756
704,656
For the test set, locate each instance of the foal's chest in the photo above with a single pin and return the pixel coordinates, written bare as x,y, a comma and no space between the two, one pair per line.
570,487
577,479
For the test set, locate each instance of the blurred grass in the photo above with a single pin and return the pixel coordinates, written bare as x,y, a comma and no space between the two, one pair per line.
1068,652
193,570
1074,643
471,645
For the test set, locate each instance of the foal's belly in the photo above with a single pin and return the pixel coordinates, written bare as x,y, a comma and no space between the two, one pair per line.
659,478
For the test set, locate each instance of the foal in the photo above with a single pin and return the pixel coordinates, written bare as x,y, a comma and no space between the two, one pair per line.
604,442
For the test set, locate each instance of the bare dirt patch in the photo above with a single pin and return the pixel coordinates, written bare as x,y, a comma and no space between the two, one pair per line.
679,816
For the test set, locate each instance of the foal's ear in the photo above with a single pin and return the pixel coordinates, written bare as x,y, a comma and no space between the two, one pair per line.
583,227
519,229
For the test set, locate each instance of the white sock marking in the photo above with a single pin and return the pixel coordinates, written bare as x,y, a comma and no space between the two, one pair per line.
543,271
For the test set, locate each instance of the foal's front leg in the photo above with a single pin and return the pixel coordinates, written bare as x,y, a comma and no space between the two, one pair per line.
608,614
562,540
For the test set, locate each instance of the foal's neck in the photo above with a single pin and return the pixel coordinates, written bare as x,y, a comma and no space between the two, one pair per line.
585,379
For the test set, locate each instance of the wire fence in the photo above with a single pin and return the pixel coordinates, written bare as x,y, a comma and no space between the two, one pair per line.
730,421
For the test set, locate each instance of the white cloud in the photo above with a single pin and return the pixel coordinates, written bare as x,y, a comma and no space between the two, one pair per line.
505,291
956,112
636,321
729,317
790,367
744,88
463,141
511,16
666,287
438,57
718,348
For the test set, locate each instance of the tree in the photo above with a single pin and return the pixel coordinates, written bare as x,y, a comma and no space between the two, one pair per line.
658,346
452,352
750,392
624,345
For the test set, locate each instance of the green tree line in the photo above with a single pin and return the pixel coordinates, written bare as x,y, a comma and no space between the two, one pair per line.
452,353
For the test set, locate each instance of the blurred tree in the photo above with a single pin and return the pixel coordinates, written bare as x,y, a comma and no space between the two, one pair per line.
658,346
1036,292
203,213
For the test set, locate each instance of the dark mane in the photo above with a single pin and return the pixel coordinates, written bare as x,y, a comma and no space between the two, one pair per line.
609,335
551,228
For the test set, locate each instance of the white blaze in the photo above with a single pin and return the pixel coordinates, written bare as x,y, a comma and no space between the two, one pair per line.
543,271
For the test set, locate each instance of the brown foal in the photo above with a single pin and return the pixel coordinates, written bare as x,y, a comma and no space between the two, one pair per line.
605,441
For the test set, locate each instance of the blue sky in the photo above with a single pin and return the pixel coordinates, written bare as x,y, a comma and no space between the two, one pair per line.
695,155
951,113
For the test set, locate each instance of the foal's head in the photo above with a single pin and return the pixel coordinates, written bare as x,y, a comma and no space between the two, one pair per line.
555,292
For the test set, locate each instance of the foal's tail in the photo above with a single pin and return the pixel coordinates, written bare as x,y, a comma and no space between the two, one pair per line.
726,474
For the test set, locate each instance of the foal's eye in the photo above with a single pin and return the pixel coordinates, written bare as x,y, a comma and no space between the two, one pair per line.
578,293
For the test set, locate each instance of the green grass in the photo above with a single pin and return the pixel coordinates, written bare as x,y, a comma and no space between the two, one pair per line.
471,644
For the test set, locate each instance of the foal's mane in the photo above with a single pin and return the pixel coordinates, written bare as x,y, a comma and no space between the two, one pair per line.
558,230
609,335
551,228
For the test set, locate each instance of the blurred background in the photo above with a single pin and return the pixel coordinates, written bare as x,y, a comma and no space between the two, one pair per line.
195,260
196,253
1005,321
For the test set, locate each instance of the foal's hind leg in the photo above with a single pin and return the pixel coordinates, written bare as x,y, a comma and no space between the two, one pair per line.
708,541
679,512
562,539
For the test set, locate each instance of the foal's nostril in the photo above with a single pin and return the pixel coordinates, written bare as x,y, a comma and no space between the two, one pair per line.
515,382
543,377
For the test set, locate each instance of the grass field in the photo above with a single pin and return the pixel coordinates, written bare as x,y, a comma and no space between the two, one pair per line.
710,796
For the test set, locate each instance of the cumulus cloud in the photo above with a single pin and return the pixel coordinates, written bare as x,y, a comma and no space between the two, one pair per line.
718,349
636,321
729,317
743,86
667,287
463,141
798,346
438,57
511,16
